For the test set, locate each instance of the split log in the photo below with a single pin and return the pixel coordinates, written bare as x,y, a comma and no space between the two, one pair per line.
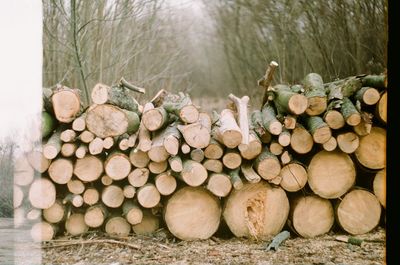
108,120
112,196
311,216
249,173
61,170
350,112
348,142
148,225
301,140
219,184
197,155
294,177
213,165
158,167
267,165
66,104
91,196
95,215
43,231
379,186
193,173
114,95
179,217
75,186
358,212
319,130
381,108
243,120
198,134
155,119
117,165
79,123
48,124
96,146
165,183
269,120
257,210
371,152
23,171
68,136
18,196
331,174
106,180
236,181
144,134
148,196
175,163
214,150
252,149
68,149
231,159
55,213
42,193
132,212
287,101
330,145
75,224
139,158
89,168
315,92
81,151
185,148
182,107
367,95
86,136
138,177
53,146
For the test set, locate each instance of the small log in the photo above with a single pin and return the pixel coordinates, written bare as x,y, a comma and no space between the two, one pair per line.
311,216
381,108
253,149
48,124
257,125
294,177
350,113
165,183
96,146
106,180
76,200
88,168
75,224
158,167
228,132
182,107
358,212
132,212
23,171
171,139
138,177
185,148
108,142
18,196
117,165
269,120
68,149
86,136
301,140
365,126
148,225
315,92
197,155
42,193
53,146
68,136
139,158
213,165
79,124
38,161
148,196
367,95
276,148
219,184
112,196
144,134
289,102
257,210
371,152
248,172
236,181
214,150
55,213
267,165
334,119
348,142
43,231
344,88
266,80
66,104
61,170
198,134
132,139
319,130
95,215
231,159
331,174
91,196
243,120
379,186
75,186
175,163
114,95
289,121
330,145
81,151
155,119
284,138
157,152
181,221
193,173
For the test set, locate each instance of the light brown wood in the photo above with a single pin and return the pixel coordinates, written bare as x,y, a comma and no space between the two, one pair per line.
68,136
301,140
371,152
139,158
276,148
86,136
75,224
192,213
155,119
252,149
294,177
55,213
175,163
197,155
157,168
138,177
108,142
79,123
81,151
38,161
358,212
242,113
368,95
75,186
311,216
52,146
91,196
348,142
68,149
112,196
88,168
95,215
23,171
148,196
42,193
129,191
165,183
228,132
248,172
157,152
331,174
285,158
193,174
330,145
171,139
61,170
231,159
132,212
334,119
106,180
219,184
214,150
379,186
144,135
148,225
123,142
117,165
267,165
213,165
284,138
198,134
365,126
185,148
75,200
42,231
18,196
96,146
381,108
257,210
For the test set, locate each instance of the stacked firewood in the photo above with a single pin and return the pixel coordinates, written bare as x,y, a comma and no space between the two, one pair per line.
120,167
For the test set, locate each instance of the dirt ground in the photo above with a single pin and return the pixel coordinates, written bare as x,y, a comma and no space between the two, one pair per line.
163,248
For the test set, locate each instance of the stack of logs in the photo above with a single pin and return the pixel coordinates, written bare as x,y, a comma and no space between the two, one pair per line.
314,155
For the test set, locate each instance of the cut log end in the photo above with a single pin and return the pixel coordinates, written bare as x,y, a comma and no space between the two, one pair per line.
316,106
371,152
148,196
379,186
298,104
189,114
42,231
294,177
219,184
334,119
66,105
166,184
353,119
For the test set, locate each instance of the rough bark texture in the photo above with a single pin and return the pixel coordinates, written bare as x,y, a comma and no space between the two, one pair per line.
315,92
115,95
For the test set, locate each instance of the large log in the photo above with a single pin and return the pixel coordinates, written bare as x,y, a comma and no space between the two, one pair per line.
61,170
198,134
117,165
115,95
42,193
267,165
180,218
379,186
331,174
371,153
89,168
358,212
66,104
287,101
311,216
257,210
294,177
315,92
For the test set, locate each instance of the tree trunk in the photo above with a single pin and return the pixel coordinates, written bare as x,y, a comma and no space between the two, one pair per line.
379,186
117,165
319,130
112,196
213,165
198,134
165,183
287,101
371,152
66,104
267,165
315,92
138,177
148,196
139,158
115,95
42,193
294,177
301,140
88,168
61,170
219,184
348,142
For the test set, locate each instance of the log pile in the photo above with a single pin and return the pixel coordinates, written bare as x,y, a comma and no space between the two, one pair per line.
301,160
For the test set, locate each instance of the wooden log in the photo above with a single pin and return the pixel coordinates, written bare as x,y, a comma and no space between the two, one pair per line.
365,126
23,171
43,231
358,212
52,146
344,88
18,196
243,119
266,80
158,167
330,145
42,193
267,165
55,213
253,148
89,168
381,108
214,150
48,124
175,163
311,216
348,142
37,160
236,181
231,159
75,224
66,104
276,148
155,119
257,210
68,149
144,134
138,177
95,215
257,126
289,121
284,138
219,184
106,180
213,165
193,173
371,152
165,183
86,136
315,92
76,200
108,142
367,95
33,215
75,186
171,139
114,95
148,225
132,212
108,120
350,113
157,152
248,172
377,81
331,174
181,105
269,120
81,151
301,140
334,119
112,196
117,165
96,146
198,134
79,123
61,170
123,142
286,157
287,101
68,135
319,130
148,196
197,155
139,158
91,196
185,148
379,186
294,177
181,221
228,132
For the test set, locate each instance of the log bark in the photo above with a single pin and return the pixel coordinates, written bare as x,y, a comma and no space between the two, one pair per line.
112,196
75,224
219,184
289,102
243,119
193,173
95,215
269,120
331,174
52,146
96,146
348,142
68,149
88,168
198,134
138,177
157,152
344,88
379,186
214,150
75,186
315,92
115,95
48,124
232,159
181,105
139,158
148,225
257,210
181,221
197,155
165,183
61,170
79,123
66,104
144,134
43,231
350,113
91,196
236,181
267,165
117,165
148,196
248,172
330,145
155,119
377,81
158,167
23,171
55,213
228,132
213,165
301,140
252,149
294,177
42,193
381,108
132,212
311,216
319,130
367,95
358,212
171,139
371,152
175,163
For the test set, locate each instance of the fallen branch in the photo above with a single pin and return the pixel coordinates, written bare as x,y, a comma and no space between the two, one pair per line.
92,241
